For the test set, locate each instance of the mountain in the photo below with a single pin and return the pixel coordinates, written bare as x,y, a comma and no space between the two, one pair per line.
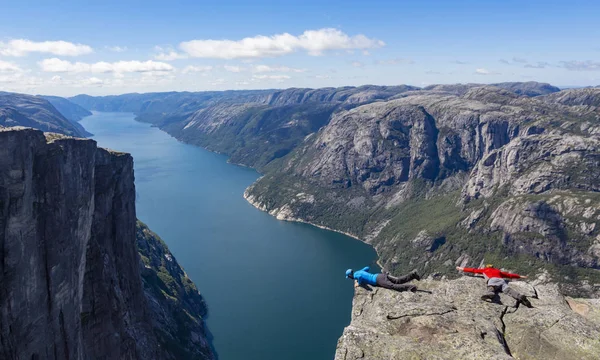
36,112
256,133
447,320
576,97
434,180
253,127
73,112
431,177
530,88
81,279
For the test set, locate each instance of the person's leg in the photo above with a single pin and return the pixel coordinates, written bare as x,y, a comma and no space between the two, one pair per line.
516,295
511,292
490,293
403,279
384,282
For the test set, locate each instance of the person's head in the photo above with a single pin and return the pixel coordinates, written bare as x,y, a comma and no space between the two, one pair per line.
349,274
489,266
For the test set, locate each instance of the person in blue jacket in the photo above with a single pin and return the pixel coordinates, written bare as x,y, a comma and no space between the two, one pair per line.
387,281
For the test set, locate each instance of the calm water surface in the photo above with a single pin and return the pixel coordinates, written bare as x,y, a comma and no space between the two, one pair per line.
275,290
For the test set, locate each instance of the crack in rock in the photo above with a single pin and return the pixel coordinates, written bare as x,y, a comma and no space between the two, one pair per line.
394,317
501,334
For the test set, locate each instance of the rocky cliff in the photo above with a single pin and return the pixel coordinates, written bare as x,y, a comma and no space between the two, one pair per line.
447,320
177,308
35,112
69,268
431,177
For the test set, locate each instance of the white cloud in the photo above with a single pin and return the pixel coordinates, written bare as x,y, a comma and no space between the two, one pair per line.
6,67
170,56
357,64
396,61
117,48
277,78
200,69
581,65
538,65
267,68
218,82
482,71
273,77
242,83
322,77
95,81
519,60
58,65
19,81
235,69
22,47
315,42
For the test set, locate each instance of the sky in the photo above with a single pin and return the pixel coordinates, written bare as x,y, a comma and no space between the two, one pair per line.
114,47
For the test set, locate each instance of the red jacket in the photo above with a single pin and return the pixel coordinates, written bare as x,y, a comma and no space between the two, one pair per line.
492,273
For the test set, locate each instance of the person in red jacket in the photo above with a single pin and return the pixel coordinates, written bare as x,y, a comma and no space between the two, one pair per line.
496,283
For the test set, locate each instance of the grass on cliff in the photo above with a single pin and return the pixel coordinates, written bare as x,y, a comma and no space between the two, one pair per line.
440,218
182,307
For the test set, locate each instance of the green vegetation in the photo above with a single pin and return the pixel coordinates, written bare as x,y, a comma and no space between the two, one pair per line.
181,306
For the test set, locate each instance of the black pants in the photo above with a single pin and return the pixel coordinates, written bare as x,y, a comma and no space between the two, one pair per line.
494,290
394,283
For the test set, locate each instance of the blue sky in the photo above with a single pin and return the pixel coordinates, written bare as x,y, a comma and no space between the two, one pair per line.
114,47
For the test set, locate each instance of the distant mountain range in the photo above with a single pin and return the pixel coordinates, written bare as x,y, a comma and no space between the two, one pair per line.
41,113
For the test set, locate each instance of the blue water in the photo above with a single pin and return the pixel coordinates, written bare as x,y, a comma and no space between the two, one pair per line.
275,290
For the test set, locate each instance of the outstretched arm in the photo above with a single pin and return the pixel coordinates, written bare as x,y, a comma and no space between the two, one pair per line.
366,268
470,270
511,275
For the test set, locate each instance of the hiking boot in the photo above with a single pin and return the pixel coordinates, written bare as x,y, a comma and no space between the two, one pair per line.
488,297
415,275
525,301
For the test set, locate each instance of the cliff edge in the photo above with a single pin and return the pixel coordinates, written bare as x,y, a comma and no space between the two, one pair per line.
447,320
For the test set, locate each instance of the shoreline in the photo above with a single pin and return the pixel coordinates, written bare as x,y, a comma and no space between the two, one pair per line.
250,199
254,203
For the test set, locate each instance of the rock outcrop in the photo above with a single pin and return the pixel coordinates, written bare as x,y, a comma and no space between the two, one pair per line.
447,320
69,268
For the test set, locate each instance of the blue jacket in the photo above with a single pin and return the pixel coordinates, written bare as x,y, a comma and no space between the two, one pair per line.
363,276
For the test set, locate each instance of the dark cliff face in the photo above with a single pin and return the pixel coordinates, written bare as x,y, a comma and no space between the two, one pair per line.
69,268
36,112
